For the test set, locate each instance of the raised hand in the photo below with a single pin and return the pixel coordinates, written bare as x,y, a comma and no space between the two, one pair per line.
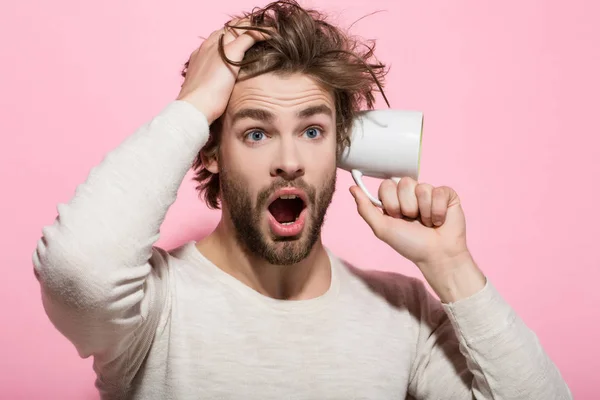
426,225
209,79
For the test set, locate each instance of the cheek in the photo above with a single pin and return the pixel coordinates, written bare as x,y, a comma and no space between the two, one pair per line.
249,167
253,162
239,158
321,158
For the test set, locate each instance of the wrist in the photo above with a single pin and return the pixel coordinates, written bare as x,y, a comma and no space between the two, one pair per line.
200,106
453,278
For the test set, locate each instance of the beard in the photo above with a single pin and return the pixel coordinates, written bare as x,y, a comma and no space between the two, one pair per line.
247,218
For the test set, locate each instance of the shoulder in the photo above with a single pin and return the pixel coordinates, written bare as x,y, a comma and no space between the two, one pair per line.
396,289
186,265
173,257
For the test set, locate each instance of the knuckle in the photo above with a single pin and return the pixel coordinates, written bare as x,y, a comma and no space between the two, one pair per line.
423,190
407,182
387,184
441,190
386,187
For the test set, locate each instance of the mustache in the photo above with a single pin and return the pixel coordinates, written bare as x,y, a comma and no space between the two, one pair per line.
263,196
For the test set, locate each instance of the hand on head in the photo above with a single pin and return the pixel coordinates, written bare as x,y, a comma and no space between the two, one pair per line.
209,79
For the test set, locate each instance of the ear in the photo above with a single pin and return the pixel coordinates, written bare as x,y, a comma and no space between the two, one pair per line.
210,163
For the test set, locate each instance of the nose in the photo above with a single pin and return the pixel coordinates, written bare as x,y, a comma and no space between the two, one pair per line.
288,162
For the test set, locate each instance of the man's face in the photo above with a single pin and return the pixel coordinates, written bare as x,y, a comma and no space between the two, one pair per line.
277,164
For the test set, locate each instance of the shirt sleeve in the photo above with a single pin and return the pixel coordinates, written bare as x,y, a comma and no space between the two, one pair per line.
102,280
479,348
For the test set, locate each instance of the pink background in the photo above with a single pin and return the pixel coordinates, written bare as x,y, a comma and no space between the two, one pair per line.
510,95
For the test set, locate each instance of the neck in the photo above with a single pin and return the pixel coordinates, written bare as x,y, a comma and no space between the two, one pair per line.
307,279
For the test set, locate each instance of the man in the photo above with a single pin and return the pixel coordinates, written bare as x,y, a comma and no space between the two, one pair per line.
260,308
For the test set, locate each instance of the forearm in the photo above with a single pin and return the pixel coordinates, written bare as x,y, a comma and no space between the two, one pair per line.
497,355
504,356
117,212
92,262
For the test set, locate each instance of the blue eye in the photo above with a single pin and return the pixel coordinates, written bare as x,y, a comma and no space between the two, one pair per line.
255,136
312,133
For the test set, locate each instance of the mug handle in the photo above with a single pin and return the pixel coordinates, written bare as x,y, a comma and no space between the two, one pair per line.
357,176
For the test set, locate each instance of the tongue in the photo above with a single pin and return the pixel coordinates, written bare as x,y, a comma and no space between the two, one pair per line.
283,210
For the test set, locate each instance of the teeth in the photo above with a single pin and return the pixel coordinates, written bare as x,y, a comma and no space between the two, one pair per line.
288,196
288,223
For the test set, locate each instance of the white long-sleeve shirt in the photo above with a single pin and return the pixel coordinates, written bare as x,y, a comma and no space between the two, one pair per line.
172,325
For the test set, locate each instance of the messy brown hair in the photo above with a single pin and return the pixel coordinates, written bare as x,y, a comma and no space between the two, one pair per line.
301,41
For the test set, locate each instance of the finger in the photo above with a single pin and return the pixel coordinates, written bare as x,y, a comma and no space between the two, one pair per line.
245,26
229,35
423,191
388,194
241,44
196,50
213,38
371,214
238,22
229,31
235,26
409,206
440,199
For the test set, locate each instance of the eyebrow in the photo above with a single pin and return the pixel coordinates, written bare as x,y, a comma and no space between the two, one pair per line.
320,109
266,116
253,113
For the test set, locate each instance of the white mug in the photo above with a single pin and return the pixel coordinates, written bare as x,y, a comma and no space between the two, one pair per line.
385,144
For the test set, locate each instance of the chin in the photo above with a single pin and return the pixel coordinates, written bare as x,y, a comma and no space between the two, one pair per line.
283,233
287,250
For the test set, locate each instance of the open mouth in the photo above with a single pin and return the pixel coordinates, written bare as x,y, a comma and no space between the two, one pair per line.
287,208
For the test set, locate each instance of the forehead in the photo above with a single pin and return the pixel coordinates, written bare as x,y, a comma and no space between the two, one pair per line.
279,94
